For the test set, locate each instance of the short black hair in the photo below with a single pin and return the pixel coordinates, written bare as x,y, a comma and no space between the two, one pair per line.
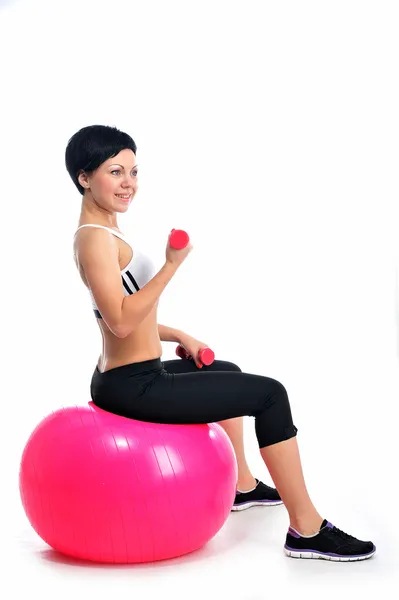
89,147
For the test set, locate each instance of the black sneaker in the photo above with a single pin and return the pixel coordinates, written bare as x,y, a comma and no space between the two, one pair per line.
261,495
330,543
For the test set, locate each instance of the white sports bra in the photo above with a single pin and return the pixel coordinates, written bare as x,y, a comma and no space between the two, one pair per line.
134,276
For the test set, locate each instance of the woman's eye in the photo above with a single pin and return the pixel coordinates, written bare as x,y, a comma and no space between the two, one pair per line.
118,171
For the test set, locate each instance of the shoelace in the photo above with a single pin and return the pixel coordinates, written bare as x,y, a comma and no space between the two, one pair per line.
342,534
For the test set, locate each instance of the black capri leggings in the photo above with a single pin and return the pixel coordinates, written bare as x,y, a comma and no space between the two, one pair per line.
176,391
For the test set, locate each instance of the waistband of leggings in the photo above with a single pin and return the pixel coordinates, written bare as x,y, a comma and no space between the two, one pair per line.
154,364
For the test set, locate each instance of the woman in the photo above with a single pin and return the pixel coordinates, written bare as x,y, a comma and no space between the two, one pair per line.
130,379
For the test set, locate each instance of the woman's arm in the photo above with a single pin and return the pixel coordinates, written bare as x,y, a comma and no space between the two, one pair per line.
168,334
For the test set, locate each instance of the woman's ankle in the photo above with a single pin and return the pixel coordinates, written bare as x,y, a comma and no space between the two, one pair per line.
306,525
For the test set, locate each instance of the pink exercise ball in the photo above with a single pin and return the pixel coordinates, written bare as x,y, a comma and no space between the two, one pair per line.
104,488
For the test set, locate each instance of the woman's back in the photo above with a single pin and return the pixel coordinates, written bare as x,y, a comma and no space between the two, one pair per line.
112,270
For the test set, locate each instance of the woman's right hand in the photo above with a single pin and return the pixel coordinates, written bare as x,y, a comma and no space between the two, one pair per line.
176,257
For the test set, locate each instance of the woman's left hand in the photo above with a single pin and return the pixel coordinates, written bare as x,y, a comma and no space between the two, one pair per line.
193,347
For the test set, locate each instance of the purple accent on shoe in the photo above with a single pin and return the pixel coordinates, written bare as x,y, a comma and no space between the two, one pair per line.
293,533
257,502
330,525
329,553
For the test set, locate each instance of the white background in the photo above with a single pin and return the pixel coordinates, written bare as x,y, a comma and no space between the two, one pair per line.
269,132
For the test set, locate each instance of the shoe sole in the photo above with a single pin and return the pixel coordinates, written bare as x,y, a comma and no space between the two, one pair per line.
246,505
325,556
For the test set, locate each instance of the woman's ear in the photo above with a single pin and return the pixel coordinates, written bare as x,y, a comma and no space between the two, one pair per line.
82,178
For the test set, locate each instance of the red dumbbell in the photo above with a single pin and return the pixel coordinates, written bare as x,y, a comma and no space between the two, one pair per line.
178,239
206,356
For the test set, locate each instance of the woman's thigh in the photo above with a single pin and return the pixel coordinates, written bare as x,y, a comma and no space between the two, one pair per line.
188,366
203,395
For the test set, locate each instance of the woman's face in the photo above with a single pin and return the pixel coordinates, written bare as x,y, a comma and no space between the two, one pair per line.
116,177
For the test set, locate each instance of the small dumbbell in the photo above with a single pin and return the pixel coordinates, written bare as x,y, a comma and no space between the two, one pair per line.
206,356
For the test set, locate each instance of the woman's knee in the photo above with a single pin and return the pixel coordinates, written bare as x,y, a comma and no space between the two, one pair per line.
279,392
281,388
275,423
275,400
